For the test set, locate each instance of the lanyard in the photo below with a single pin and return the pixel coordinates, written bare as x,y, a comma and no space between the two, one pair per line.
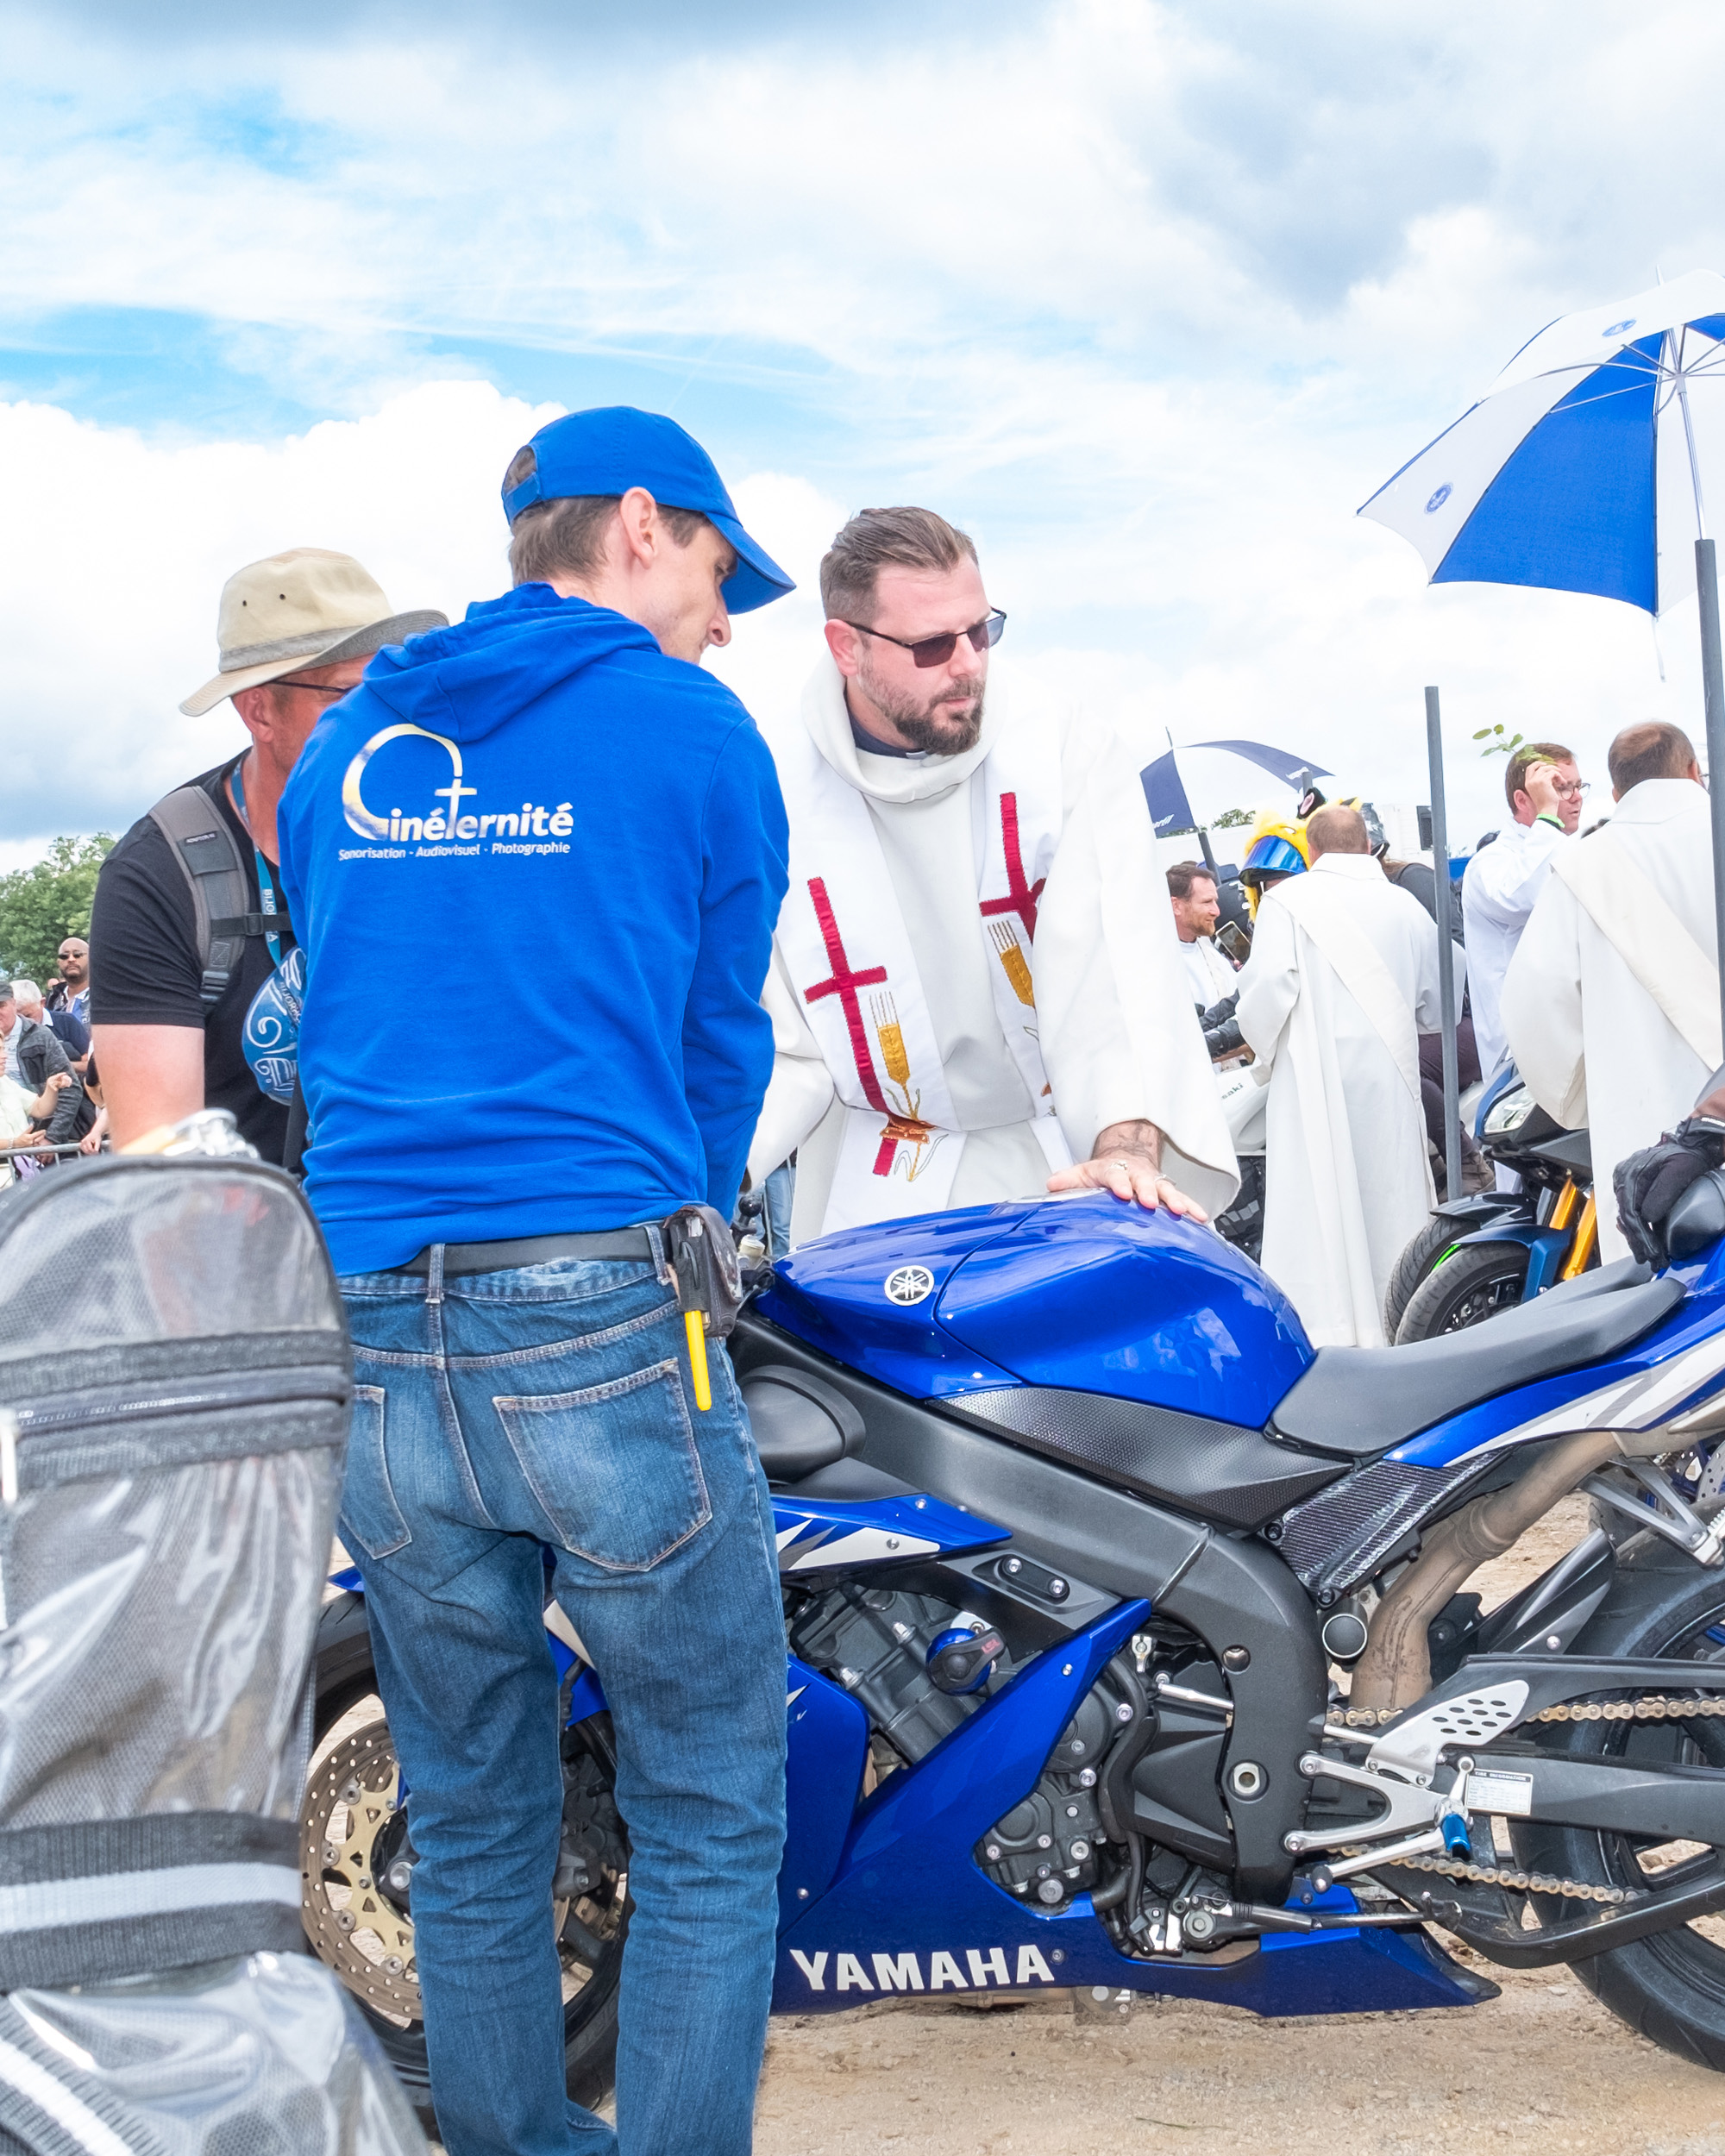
265,883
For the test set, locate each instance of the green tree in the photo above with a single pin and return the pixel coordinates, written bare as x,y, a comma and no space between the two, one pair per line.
41,904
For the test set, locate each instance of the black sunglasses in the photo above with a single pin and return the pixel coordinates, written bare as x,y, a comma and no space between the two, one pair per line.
309,688
935,651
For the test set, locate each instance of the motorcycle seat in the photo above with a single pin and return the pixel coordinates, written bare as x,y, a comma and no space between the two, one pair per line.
1362,1401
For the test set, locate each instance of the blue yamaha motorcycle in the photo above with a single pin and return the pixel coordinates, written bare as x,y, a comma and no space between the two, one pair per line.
1129,1645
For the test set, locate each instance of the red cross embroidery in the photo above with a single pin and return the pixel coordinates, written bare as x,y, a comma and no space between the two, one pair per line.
845,985
1021,897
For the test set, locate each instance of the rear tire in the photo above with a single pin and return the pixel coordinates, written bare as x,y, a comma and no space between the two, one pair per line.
1670,1988
1424,1252
1472,1284
589,2011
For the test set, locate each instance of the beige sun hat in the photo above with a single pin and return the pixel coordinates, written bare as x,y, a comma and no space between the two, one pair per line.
304,608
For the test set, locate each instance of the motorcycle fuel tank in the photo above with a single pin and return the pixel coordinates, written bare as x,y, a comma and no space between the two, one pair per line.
1086,1294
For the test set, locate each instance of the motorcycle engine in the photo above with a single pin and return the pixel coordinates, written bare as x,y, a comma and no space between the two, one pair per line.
1046,1848
1130,1789
874,1641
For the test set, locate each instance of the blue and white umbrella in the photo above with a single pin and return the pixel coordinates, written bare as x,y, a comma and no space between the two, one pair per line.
1212,770
1580,469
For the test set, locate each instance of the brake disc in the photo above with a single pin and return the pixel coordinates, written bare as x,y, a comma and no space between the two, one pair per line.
353,1926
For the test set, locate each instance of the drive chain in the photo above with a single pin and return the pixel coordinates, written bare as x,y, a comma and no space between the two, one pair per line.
1641,1710
1517,1882
1616,1710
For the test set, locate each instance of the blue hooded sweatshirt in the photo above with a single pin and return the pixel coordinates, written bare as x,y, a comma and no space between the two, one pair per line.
534,865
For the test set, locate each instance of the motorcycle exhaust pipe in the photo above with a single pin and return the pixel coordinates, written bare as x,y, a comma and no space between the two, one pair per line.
1395,1669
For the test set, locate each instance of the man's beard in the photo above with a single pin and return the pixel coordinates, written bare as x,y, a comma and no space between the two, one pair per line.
946,724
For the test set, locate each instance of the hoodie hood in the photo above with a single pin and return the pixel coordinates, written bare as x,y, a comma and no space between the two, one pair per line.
466,680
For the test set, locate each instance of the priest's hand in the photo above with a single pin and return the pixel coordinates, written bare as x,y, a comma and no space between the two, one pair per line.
1128,1162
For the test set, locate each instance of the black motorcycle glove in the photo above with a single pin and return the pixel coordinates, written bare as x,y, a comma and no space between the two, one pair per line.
1222,1035
1649,1183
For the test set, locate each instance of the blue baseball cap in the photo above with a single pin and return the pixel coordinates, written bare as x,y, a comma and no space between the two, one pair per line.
612,448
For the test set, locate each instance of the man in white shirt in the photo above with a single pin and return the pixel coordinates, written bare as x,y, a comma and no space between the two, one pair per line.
1611,1003
1342,981
1543,790
1192,894
976,991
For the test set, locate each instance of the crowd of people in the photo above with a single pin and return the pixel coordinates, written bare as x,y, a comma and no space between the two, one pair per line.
910,937
1585,962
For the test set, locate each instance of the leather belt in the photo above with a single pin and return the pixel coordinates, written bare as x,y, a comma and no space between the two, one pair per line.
532,1249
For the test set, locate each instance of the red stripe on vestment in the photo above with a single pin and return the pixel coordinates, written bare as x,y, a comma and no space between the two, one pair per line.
1021,897
845,985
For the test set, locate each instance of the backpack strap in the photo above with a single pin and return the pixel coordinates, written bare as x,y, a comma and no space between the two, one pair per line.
210,860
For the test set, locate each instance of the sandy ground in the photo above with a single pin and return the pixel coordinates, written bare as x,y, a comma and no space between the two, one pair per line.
1543,2068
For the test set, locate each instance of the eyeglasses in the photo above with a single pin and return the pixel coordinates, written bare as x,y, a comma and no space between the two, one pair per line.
1566,792
310,688
935,651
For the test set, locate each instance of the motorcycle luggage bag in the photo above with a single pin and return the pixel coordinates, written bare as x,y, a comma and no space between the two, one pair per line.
174,1386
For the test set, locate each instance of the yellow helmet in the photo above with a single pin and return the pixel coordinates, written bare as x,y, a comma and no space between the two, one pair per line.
1277,847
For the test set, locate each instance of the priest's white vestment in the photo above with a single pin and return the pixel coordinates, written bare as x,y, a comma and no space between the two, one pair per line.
1342,980
1611,1002
976,971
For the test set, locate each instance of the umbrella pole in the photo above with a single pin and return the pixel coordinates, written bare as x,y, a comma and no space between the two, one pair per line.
1446,987
1713,686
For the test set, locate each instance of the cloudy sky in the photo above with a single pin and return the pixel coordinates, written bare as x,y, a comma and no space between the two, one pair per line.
1149,298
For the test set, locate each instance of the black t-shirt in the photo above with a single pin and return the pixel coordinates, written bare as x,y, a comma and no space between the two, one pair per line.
144,967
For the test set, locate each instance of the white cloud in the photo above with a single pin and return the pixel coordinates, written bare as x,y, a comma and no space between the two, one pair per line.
1150,297
114,549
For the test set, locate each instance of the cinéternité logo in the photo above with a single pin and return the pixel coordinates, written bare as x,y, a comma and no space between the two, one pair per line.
531,820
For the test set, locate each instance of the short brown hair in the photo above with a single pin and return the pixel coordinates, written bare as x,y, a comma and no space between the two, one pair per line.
1530,754
1184,874
1652,749
876,539
567,537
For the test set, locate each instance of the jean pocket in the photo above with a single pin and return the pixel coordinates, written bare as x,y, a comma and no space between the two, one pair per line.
371,1519
614,1467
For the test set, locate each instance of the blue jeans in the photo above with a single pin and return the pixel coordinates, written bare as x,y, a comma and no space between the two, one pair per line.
548,1406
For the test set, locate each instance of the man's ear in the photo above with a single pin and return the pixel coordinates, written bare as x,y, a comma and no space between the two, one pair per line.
846,647
256,708
638,529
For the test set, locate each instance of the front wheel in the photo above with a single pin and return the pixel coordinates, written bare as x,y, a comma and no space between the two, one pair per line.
356,1862
1670,1987
1474,1282
1425,1252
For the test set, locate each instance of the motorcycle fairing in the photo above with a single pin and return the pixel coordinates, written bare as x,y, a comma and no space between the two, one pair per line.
1546,1248
1231,1591
908,1909
818,1534
827,1747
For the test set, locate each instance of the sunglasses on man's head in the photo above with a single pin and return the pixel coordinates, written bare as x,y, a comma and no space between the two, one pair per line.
935,651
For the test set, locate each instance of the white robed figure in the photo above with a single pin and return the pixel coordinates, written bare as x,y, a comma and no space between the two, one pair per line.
1342,980
976,987
1611,1002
